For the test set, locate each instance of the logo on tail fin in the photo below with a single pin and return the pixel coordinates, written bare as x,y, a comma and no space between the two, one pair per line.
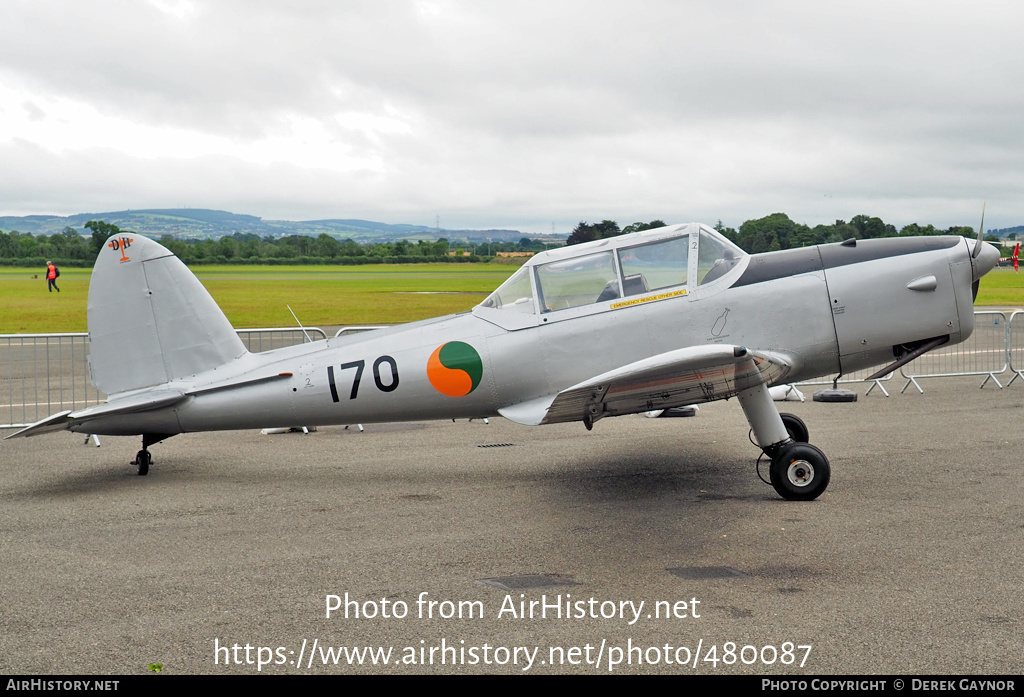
120,244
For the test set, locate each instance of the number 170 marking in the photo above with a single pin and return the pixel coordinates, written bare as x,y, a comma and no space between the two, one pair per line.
391,386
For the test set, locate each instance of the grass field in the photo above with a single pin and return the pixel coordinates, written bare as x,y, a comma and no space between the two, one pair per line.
256,296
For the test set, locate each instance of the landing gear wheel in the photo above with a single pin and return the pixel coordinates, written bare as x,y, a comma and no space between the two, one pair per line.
796,427
143,459
800,472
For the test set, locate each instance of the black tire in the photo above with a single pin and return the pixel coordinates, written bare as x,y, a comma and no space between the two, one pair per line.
143,460
796,427
800,472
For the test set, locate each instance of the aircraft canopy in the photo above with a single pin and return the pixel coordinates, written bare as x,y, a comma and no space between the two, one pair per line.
670,259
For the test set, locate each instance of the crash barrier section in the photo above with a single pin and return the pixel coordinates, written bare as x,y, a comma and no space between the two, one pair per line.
42,374
858,376
1015,345
986,352
359,329
267,339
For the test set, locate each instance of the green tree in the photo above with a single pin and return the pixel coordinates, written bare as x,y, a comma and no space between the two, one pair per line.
74,245
8,245
227,247
728,232
637,227
27,246
871,228
326,246
101,232
757,235
177,247
585,232
350,248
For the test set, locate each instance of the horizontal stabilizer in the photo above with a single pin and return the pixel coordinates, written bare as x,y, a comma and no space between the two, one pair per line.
145,401
52,423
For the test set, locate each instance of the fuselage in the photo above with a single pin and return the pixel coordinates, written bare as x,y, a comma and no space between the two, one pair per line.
574,313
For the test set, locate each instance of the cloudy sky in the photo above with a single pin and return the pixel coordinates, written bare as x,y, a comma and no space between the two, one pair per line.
523,114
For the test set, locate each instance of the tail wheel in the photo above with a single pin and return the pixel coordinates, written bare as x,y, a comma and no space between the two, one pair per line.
800,472
143,459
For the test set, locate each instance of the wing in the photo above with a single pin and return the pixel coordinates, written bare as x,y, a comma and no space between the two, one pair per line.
675,378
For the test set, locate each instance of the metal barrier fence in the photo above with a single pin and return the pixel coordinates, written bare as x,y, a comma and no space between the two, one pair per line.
858,376
259,340
359,329
995,347
986,352
41,374
44,373
1015,345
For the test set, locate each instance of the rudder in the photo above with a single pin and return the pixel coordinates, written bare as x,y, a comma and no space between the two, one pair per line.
150,319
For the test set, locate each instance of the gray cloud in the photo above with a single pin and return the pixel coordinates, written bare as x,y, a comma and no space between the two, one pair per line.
525,113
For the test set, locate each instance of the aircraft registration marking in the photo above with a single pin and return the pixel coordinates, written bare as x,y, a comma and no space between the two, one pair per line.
650,298
389,386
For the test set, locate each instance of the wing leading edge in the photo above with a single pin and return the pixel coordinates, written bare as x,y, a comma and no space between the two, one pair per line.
671,379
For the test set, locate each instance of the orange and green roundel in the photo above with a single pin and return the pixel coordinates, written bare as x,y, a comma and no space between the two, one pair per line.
455,369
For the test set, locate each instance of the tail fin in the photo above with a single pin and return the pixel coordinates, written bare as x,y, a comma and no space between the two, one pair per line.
150,319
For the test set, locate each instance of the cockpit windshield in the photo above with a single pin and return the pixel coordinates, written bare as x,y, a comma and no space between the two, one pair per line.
515,294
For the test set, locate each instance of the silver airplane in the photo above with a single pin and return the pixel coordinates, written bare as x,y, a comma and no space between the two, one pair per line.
650,320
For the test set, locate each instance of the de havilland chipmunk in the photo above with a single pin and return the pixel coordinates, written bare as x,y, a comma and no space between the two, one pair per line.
650,320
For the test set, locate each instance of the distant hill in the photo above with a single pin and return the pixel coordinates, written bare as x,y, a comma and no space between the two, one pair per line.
1007,231
202,222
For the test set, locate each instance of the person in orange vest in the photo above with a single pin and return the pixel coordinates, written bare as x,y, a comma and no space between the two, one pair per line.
51,276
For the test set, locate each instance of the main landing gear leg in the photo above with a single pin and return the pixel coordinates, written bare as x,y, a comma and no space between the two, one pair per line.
799,471
143,459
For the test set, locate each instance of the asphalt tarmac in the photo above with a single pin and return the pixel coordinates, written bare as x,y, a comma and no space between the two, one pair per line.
910,563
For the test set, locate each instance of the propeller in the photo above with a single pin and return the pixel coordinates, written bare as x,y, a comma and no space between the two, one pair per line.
981,234
977,250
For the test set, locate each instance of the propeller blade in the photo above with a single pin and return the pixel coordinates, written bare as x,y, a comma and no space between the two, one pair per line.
981,234
974,289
